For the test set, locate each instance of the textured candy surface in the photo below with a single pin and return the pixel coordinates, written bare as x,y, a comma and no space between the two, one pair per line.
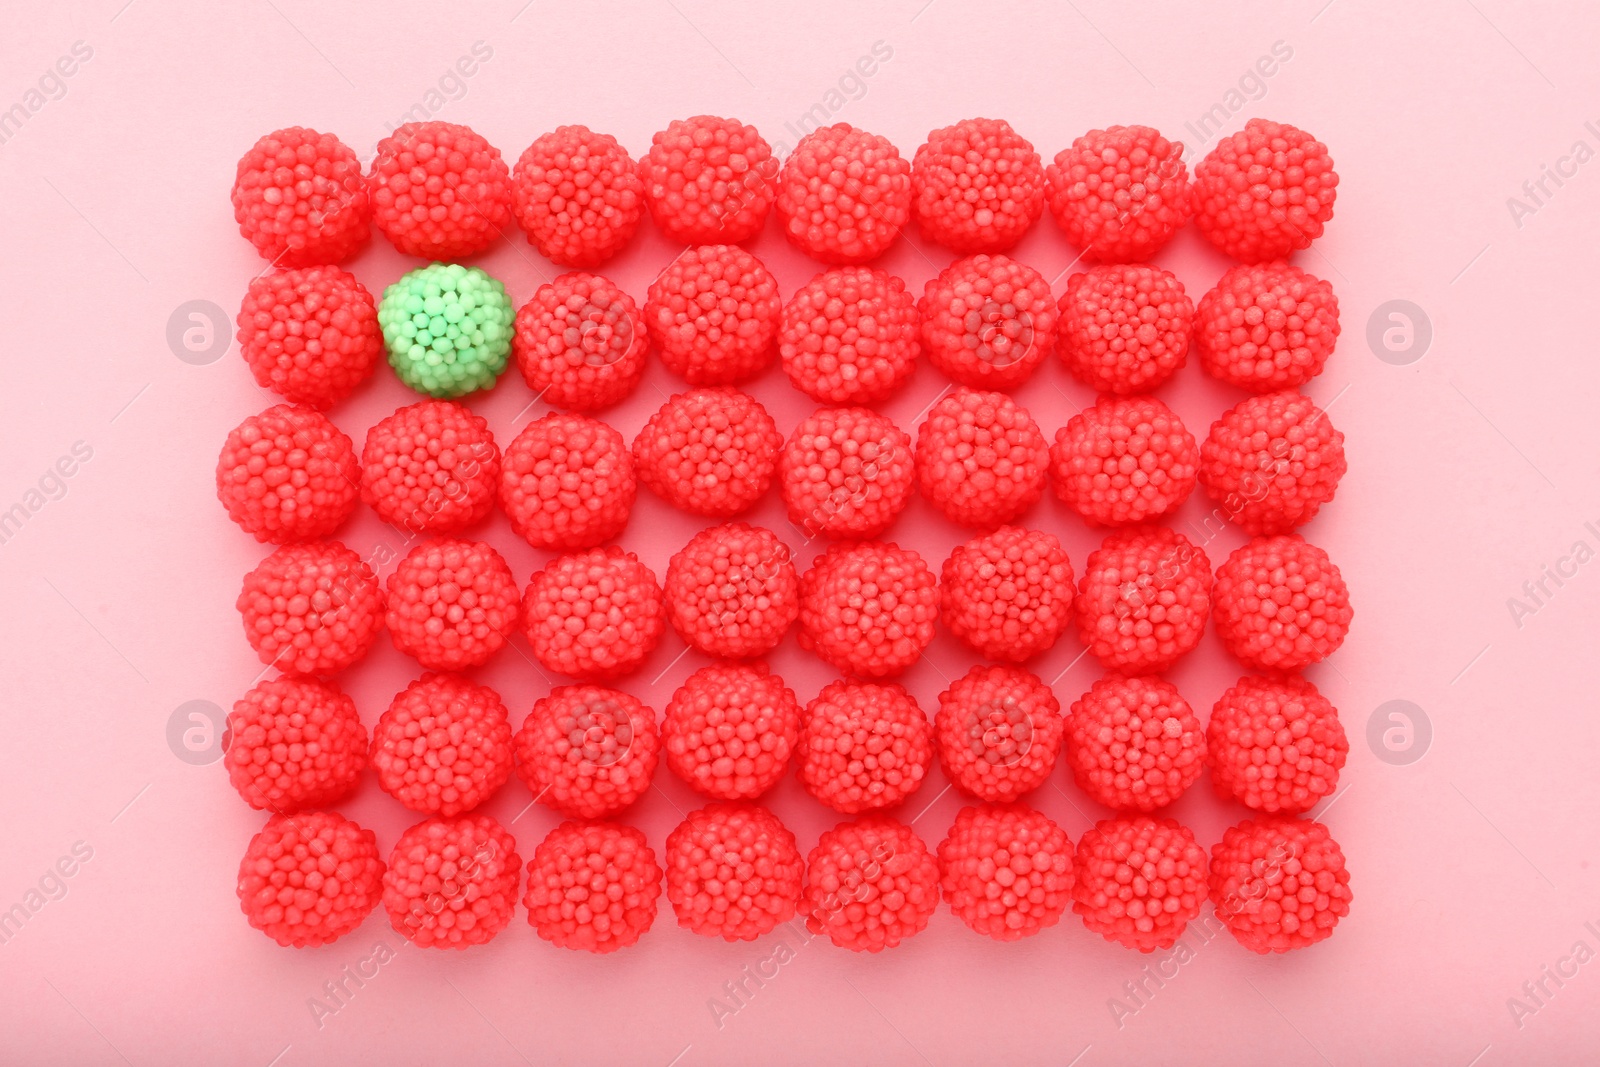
567,481
709,452
310,335
586,751
1125,460
1279,883
1143,600
1007,595
1139,880
844,194
998,730
447,329
732,591
1271,462
1125,328
1275,745
452,882
868,608
577,196
870,884
299,197
1264,192
1280,604
309,879
294,743
1134,744
1006,870
976,186
863,746
311,609
1266,327
451,604
288,474
431,468
850,336
708,180
580,343
1120,193
981,459
593,615
846,473
713,315
439,190
729,730
443,746
592,886
988,321
733,871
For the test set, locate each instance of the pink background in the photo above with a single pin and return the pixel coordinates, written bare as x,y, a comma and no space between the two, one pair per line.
1470,470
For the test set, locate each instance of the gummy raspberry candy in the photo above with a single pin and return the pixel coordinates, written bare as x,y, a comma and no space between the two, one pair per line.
288,474
1272,461
310,335
311,609
1280,604
593,615
713,315
709,452
1007,595
987,322
732,591
1267,327
868,608
309,879
1264,192
443,746
447,328
1134,744
844,194
708,180
1143,600
1120,193
439,190
870,884
1138,880
577,196
1125,327
580,343
586,751
863,747
592,886
998,731
1006,871
294,743
846,473
299,197
452,882
431,468
976,186
1124,460
850,336
733,871
451,604
981,459
567,481
1275,745
729,730
1278,883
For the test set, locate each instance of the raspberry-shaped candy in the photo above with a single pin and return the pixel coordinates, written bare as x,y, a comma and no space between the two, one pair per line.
999,732
577,196
708,180
987,322
294,743
1006,871
580,343
439,190
447,328
1123,461
1134,744
309,879
452,882
1275,745
1281,604
592,886
1138,880
981,459
1272,461
311,609
310,335
288,474
1120,193
733,871
299,197
451,604
594,615
729,730
431,468
1279,883
1125,327
443,746
586,751
1267,327
863,747
1143,600
870,884
868,608
1264,192
709,452
732,591
850,336
846,472
844,194
1007,595
714,314
567,481
976,186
